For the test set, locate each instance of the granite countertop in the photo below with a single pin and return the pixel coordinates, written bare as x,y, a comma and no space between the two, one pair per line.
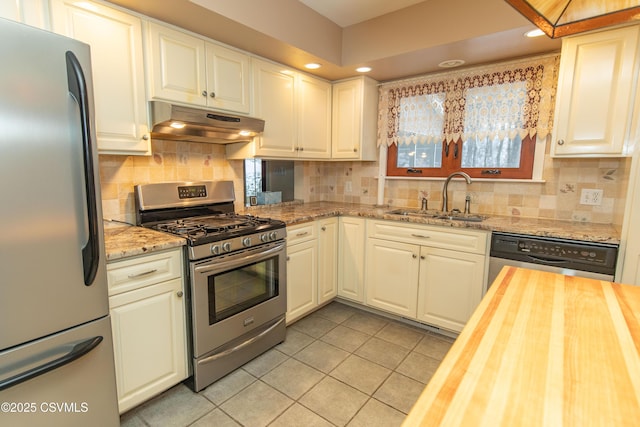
124,240
294,213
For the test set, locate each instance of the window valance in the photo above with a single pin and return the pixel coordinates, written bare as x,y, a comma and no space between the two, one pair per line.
505,99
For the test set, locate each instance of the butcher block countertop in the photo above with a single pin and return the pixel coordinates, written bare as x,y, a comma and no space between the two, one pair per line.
542,349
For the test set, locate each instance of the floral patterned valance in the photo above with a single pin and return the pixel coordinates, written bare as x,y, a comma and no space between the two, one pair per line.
509,98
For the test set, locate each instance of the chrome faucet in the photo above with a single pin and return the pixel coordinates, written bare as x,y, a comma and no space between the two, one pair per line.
445,207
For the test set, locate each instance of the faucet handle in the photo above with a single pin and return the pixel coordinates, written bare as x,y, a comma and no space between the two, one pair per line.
467,204
424,204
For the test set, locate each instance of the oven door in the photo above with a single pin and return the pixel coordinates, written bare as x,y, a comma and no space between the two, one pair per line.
234,294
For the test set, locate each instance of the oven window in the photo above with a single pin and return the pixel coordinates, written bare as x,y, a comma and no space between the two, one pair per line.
236,290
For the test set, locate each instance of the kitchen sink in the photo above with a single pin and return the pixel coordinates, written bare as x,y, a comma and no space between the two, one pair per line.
452,216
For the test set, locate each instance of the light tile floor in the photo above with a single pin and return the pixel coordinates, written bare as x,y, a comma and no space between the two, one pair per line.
339,366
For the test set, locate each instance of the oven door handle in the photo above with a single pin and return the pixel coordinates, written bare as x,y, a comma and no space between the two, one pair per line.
214,265
242,345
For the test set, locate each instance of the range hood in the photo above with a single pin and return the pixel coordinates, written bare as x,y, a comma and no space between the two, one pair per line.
177,122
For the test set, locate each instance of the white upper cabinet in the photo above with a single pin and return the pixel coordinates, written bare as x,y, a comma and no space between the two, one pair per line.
117,66
596,86
187,69
355,115
228,74
30,12
314,118
296,109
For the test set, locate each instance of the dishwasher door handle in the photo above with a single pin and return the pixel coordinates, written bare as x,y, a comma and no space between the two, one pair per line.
554,262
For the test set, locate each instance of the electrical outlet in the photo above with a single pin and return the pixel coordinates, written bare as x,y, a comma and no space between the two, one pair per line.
347,187
590,196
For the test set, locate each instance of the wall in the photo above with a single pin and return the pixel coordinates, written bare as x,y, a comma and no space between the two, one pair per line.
171,161
556,198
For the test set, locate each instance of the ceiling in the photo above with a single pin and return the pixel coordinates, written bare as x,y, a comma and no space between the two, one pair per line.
349,12
398,39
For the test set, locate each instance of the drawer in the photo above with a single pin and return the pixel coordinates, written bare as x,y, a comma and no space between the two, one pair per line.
428,235
302,232
133,273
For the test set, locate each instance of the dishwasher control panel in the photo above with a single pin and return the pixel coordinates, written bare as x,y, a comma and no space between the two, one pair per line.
580,255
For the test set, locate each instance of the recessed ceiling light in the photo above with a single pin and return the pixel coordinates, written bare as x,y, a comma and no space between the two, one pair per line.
363,69
534,33
451,63
312,66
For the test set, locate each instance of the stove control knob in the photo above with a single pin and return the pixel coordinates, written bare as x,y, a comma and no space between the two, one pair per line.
264,237
246,242
226,246
273,235
215,249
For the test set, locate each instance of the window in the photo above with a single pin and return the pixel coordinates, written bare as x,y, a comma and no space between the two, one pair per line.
483,122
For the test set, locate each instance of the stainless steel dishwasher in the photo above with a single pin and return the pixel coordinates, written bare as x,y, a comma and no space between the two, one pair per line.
571,257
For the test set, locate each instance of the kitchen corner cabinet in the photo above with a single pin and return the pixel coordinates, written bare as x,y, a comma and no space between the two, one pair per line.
351,250
296,109
354,119
327,259
596,86
30,12
190,70
435,275
117,63
148,323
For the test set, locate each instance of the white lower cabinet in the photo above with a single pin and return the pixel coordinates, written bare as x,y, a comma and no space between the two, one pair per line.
311,266
351,250
146,303
435,275
450,286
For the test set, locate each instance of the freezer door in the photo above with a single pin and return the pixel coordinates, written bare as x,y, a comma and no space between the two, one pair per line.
42,384
52,268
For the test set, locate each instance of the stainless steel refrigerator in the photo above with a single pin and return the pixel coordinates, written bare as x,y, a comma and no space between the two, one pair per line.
56,352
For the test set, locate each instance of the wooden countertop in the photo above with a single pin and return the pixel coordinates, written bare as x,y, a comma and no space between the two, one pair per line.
541,349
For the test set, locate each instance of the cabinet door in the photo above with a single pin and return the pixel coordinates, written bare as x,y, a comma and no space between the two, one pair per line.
274,101
327,259
391,276
30,12
149,341
595,88
451,284
314,118
347,120
302,279
177,66
351,258
228,76
117,68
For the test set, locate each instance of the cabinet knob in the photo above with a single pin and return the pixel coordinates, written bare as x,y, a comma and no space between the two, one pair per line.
179,293
422,257
561,142
414,256
145,136
288,258
204,93
212,94
355,150
323,228
301,148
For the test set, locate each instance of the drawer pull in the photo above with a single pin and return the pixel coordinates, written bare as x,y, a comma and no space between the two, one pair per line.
144,273
304,233
420,236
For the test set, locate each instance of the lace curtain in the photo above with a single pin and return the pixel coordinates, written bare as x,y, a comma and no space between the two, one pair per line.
491,102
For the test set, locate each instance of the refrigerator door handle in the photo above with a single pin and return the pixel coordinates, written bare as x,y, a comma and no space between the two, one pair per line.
78,89
78,350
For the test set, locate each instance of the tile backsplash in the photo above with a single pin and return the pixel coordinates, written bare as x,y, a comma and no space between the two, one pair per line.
356,182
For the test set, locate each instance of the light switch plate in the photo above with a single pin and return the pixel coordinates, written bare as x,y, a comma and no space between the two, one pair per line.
590,196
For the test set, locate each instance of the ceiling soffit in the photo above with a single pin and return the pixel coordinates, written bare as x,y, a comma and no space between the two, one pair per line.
564,18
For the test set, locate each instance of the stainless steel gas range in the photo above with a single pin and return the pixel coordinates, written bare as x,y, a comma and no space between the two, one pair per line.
236,269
